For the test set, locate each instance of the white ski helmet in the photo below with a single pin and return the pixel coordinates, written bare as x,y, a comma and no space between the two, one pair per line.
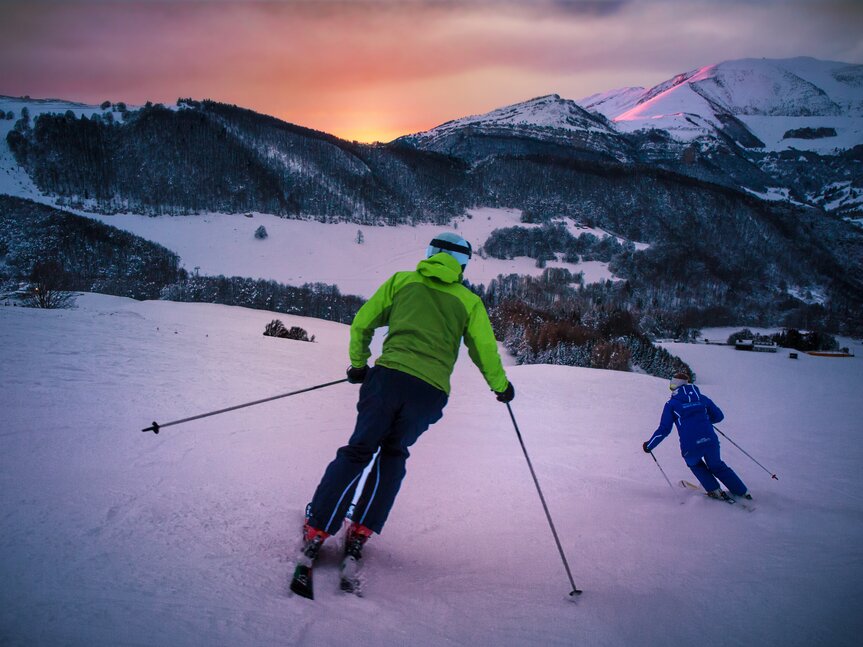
451,244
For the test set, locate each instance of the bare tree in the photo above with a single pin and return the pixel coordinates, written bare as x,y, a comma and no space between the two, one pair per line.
48,281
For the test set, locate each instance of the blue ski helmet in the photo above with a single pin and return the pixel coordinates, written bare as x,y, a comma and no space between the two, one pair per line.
451,244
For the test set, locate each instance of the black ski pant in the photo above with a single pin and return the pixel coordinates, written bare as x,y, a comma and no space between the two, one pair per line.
393,410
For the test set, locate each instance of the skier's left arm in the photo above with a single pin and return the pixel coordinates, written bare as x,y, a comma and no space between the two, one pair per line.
482,348
713,412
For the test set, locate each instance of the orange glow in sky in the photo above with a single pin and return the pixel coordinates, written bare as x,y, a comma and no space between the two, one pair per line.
377,69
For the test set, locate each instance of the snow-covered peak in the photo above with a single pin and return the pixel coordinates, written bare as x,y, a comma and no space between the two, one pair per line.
547,112
799,87
799,93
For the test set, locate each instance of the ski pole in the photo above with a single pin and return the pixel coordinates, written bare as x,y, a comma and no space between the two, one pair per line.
155,427
772,475
663,472
575,590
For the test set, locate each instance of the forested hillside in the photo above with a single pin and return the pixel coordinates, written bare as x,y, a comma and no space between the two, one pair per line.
753,265
209,156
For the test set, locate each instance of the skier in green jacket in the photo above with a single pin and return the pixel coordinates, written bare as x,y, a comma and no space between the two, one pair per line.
428,311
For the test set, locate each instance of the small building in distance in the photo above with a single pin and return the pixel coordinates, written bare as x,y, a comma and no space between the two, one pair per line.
758,346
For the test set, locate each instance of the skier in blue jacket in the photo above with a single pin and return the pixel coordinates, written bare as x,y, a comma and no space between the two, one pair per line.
694,415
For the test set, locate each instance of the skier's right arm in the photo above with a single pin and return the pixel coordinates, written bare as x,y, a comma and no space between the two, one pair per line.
373,314
663,430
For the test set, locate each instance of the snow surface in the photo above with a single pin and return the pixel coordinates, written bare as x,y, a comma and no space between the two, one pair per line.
115,537
305,251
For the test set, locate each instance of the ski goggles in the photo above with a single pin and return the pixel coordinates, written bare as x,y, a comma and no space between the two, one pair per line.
461,253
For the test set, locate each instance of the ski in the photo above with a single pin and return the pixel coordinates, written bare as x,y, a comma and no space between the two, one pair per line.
744,506
727,498
301,582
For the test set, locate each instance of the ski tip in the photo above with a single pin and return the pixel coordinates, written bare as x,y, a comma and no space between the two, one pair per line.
301,583
302,591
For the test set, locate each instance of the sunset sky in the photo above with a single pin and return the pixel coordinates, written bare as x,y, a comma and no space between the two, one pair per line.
376,69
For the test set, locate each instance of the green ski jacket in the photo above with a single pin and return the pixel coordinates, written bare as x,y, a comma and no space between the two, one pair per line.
428,312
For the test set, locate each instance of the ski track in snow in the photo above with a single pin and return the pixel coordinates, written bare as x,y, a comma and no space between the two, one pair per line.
111,536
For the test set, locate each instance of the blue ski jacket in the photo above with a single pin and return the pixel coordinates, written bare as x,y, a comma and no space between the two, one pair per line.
694,415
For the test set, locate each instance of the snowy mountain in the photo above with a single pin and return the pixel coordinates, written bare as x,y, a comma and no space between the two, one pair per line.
549,112
115,537
799,94
782,130
799,121
549,119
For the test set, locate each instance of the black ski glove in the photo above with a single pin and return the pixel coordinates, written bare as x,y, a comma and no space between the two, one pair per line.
507,394
644,447
357,375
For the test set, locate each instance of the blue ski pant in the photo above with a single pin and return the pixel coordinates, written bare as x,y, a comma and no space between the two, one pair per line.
394,408
708,466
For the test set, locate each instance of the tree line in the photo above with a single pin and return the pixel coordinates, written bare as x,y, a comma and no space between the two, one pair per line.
556,319
686,281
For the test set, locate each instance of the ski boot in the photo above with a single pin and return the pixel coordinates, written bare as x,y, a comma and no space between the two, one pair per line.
355,538
720,495
301,583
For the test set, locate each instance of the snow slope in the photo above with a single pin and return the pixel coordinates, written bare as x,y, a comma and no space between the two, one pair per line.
115,537
613,102
305,251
